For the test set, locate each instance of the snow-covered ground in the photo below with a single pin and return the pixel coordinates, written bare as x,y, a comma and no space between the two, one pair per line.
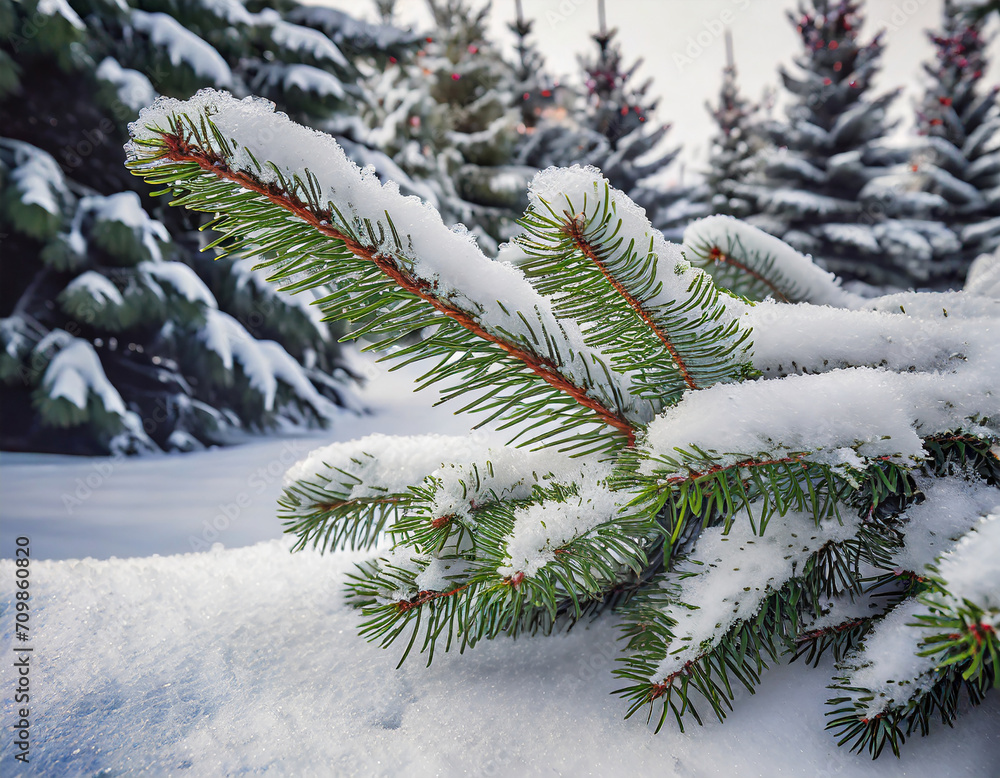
243,659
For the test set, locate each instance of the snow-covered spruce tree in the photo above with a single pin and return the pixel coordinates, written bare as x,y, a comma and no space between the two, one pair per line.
533,88
618,110
112,314
741,479
831,186
735,150
961,158
448,116
610,127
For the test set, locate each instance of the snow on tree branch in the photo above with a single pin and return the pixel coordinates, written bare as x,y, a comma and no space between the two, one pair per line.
399,237
738,477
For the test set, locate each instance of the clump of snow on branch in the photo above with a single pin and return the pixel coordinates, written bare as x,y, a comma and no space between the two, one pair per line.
497,473
541,528
377,465
843,418
183,46
951,507
133,88
970,572
497,294
38,178
760,253
75,373
729,574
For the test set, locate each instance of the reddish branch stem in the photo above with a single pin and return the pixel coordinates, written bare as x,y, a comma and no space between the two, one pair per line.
718,255
574,230
679,479
179,150
426,596
806,637
332,506
659,689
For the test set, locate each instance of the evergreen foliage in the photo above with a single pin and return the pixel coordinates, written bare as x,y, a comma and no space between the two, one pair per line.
164,348
611,128
734,153
961,158
738,483
447,115
831,186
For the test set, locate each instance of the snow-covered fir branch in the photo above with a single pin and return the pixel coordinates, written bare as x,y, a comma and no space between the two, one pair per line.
738,477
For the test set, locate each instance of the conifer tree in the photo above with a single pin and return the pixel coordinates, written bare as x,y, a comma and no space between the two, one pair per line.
118,333
830,188
447,116
533,89
961,159
735,149
735,480
612,128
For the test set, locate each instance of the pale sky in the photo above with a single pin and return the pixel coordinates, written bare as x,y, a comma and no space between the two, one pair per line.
681,43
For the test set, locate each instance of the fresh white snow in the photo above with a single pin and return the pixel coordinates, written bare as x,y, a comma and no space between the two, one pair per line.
304,40
182,279
75,372
38,177
134,89
63,9
183,46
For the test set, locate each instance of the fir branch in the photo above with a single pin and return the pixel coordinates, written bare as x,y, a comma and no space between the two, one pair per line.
754,278
664,325
187,157
708,487
575,230
741,654
180,151
840,638
955,647
750,263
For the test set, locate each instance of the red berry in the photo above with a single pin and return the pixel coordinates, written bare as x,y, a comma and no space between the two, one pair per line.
455,76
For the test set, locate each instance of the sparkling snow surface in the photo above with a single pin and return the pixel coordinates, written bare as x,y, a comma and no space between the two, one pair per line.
246,660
